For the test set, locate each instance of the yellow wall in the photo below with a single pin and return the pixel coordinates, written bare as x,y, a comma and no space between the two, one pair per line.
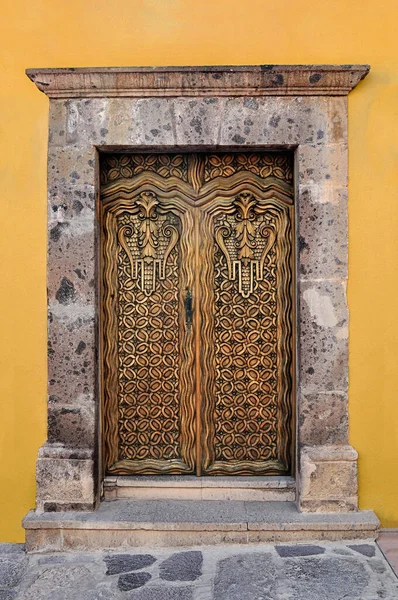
55,33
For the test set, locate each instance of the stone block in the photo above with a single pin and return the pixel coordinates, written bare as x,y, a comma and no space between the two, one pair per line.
72,165
72,424
323,419
274,121
152,122
71,276
72,356
337,119
65,479
79,539
76,122
323,336
118,122
328,479
319,163
70,203
198,120
322,232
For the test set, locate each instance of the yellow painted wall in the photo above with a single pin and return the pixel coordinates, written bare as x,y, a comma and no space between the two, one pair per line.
55,33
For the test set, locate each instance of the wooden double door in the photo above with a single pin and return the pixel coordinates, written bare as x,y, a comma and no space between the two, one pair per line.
197,313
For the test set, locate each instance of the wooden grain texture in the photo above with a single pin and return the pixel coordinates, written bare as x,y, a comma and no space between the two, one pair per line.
214,395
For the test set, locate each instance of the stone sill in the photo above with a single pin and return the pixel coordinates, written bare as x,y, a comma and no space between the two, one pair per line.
176,481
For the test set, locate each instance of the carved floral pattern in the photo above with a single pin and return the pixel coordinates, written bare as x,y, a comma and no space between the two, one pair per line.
117,166
197,169
278,165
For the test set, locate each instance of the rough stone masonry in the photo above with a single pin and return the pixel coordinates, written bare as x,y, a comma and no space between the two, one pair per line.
319,571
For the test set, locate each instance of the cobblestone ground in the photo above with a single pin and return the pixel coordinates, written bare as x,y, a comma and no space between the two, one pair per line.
324,571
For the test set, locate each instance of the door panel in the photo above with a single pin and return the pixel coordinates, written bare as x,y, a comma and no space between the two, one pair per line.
149,353
248,381
197,337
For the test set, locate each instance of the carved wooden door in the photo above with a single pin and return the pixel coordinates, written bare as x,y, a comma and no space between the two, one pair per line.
197,313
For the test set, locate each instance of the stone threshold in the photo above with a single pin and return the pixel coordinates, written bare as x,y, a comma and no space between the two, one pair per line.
190,487
170,523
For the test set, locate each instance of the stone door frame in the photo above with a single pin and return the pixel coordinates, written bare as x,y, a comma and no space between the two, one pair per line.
303,108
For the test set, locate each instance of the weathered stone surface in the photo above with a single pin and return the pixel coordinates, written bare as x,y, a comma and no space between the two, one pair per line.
245,576
337,119
323,419
122,563
71,358
8,594
378,566
322,242
71,165
71,273
320,163
182,566
69,203
323,340
9,548
332,579
198,120
132,581
57,582
365,549
299,550
227,574
131,524
71,424
76,475
328,479
253,80
278,121
11,571
162,593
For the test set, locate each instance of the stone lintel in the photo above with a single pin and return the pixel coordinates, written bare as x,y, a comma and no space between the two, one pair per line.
232,81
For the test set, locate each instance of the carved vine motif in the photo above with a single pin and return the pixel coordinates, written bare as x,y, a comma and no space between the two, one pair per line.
126,166
148,241
245,243
197,169
262,164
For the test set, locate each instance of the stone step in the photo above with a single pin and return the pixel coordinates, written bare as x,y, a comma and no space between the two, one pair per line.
169,523
188,487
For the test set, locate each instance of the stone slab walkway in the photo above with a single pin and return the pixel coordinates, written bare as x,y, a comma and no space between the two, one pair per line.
317,571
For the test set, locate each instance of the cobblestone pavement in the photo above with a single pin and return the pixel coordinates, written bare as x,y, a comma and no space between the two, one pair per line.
318,571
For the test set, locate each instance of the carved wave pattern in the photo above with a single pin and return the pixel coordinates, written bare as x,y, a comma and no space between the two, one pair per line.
117,166
246,347
148,349
264,165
